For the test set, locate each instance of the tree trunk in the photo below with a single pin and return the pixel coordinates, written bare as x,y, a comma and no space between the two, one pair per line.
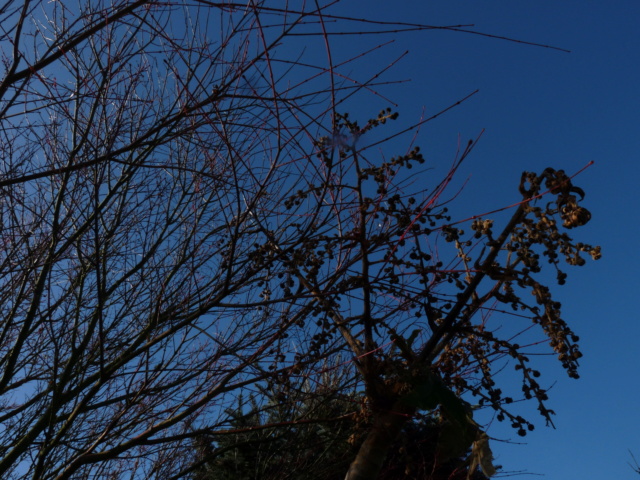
373,451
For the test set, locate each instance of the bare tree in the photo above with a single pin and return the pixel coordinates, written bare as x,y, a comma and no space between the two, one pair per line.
147,150
416,314
422,332
634,466
186,218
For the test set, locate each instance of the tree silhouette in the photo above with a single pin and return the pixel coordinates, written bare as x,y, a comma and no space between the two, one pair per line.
419,330
188,219
315,436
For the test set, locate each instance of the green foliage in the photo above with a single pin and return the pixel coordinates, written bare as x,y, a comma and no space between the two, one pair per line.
459,433
306,440
268,444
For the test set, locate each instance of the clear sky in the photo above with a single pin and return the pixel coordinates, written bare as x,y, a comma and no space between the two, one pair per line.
541,107
536,107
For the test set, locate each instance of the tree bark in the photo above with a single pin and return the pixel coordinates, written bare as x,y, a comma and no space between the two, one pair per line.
374,449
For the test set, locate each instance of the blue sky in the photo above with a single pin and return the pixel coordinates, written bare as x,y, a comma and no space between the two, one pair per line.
541,107
536,107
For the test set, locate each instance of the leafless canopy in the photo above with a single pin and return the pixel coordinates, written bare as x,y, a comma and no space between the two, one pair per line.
185,217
